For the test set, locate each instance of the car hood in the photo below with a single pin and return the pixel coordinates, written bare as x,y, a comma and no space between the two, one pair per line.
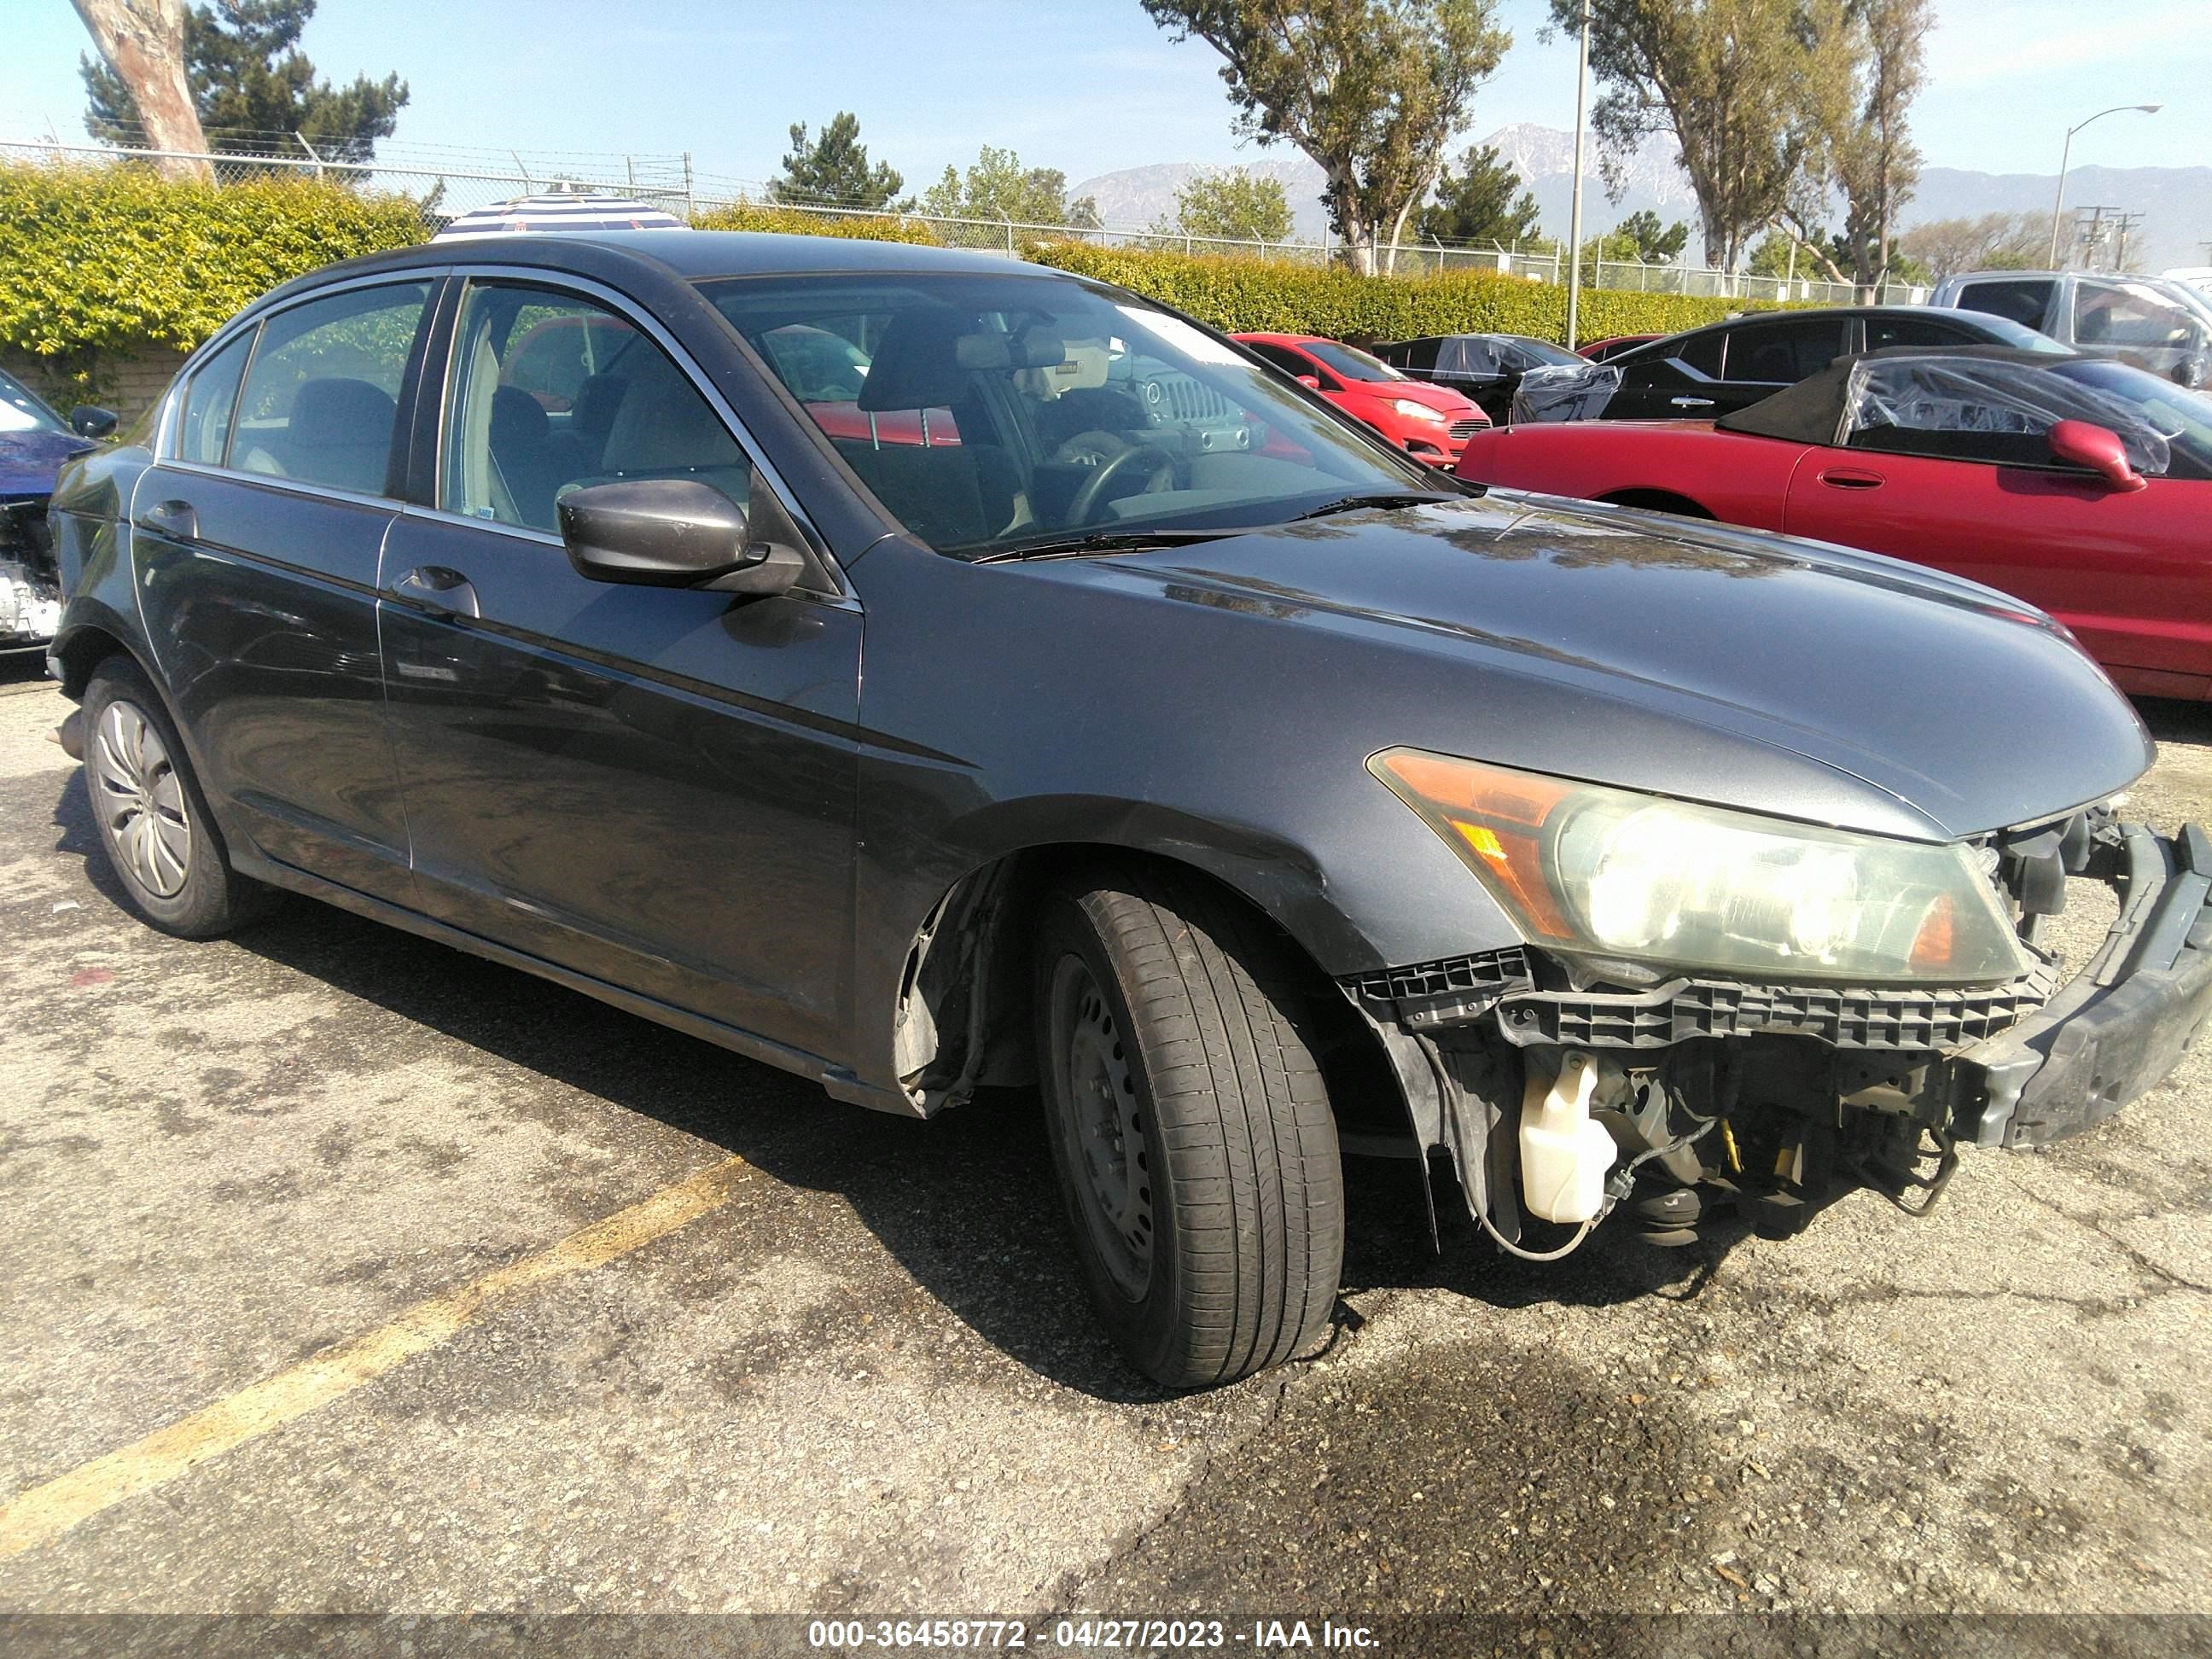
1626,648
29,460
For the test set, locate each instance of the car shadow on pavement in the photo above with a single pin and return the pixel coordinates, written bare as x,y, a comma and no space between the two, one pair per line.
967,1204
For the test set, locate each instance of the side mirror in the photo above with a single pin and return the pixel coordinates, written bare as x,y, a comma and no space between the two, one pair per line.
2095,449
90,421
679,532
1311,382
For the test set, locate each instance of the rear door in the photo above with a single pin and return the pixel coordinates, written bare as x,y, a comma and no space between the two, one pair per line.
1764,357
1671,379
257,540
652,787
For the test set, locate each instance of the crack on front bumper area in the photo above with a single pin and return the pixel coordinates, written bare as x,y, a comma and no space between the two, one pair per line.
1771,1101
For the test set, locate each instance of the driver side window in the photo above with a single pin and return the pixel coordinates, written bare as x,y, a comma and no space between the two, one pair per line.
549,392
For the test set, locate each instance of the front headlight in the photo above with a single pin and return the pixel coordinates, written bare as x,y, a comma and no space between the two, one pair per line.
1583,867
1414,412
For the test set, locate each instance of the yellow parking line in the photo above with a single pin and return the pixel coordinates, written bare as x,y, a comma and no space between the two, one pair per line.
44,1512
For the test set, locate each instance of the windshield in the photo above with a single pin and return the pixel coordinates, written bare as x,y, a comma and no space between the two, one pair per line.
21,412
1545,352
2181,417
1350,362
1990,409
2003,330
991,411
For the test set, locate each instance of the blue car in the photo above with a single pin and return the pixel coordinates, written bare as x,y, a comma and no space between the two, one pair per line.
34,441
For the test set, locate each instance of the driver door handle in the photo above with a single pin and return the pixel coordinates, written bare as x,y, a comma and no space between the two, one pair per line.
174,519
1848,477
1690,402
438,587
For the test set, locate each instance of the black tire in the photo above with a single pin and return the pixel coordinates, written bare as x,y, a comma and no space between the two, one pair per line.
1218,1255
178,878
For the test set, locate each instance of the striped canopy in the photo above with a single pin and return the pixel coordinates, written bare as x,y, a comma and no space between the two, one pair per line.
565,210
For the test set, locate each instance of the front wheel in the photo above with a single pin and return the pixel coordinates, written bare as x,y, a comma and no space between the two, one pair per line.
1189,1124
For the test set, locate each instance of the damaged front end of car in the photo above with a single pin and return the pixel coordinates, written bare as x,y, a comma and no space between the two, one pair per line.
1720,1015
30,585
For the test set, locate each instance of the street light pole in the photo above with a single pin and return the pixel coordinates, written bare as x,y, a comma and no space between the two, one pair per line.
2066,157
1575,208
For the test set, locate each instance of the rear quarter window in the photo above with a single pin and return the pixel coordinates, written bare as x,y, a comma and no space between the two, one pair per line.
2023,301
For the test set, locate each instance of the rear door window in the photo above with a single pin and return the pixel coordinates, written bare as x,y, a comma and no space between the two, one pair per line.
322,396
204,432
2024,300
1885,331
1700,353
1784,353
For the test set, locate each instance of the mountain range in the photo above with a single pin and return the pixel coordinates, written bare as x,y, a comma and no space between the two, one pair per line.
2176,202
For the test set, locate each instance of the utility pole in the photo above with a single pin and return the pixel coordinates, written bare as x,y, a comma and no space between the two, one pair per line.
1575,209
2088,234
2124,223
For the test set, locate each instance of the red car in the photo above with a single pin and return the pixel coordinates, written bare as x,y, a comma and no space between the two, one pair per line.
2079,485
1602,351
1429,422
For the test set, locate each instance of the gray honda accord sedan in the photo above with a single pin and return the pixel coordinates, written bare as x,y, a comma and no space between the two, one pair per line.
921,670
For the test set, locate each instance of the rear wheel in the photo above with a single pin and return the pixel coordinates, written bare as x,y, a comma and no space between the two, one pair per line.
155,825
1189,1124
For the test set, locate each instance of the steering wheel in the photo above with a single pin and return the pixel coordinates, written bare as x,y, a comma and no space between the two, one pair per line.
1091,497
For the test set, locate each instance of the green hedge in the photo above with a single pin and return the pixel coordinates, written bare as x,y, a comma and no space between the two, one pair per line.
103,261
1244,296
797,222
114,259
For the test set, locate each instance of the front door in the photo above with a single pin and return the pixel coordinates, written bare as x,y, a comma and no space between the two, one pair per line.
257,542
652,787
2129,572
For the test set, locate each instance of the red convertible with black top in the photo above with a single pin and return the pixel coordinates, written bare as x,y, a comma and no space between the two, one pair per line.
2080,484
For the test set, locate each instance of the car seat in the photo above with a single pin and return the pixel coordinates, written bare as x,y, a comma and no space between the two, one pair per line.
339,433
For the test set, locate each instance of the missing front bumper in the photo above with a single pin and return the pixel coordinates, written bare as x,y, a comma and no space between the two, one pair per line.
1870,1079
2122,1024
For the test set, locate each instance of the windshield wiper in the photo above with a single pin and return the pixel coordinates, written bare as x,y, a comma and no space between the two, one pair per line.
1101,540
1360,503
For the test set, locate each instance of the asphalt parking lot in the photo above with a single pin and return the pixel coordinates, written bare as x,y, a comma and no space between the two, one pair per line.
822,1361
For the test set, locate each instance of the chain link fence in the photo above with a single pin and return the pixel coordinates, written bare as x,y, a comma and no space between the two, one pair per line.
449,181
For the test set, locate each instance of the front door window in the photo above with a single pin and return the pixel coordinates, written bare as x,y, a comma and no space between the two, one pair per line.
551,391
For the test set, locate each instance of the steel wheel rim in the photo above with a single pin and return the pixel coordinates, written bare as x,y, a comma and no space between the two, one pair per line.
141,801
1104,1121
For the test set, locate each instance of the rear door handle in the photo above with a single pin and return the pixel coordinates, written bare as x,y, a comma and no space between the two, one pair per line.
1690,402
1845,478
174,519
438,587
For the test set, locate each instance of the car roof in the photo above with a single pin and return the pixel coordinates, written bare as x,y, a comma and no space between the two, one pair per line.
682,255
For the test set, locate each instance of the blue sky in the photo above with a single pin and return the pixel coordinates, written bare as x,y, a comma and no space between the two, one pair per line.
1086,86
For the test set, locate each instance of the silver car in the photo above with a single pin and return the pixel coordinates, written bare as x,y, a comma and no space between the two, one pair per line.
2153,324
